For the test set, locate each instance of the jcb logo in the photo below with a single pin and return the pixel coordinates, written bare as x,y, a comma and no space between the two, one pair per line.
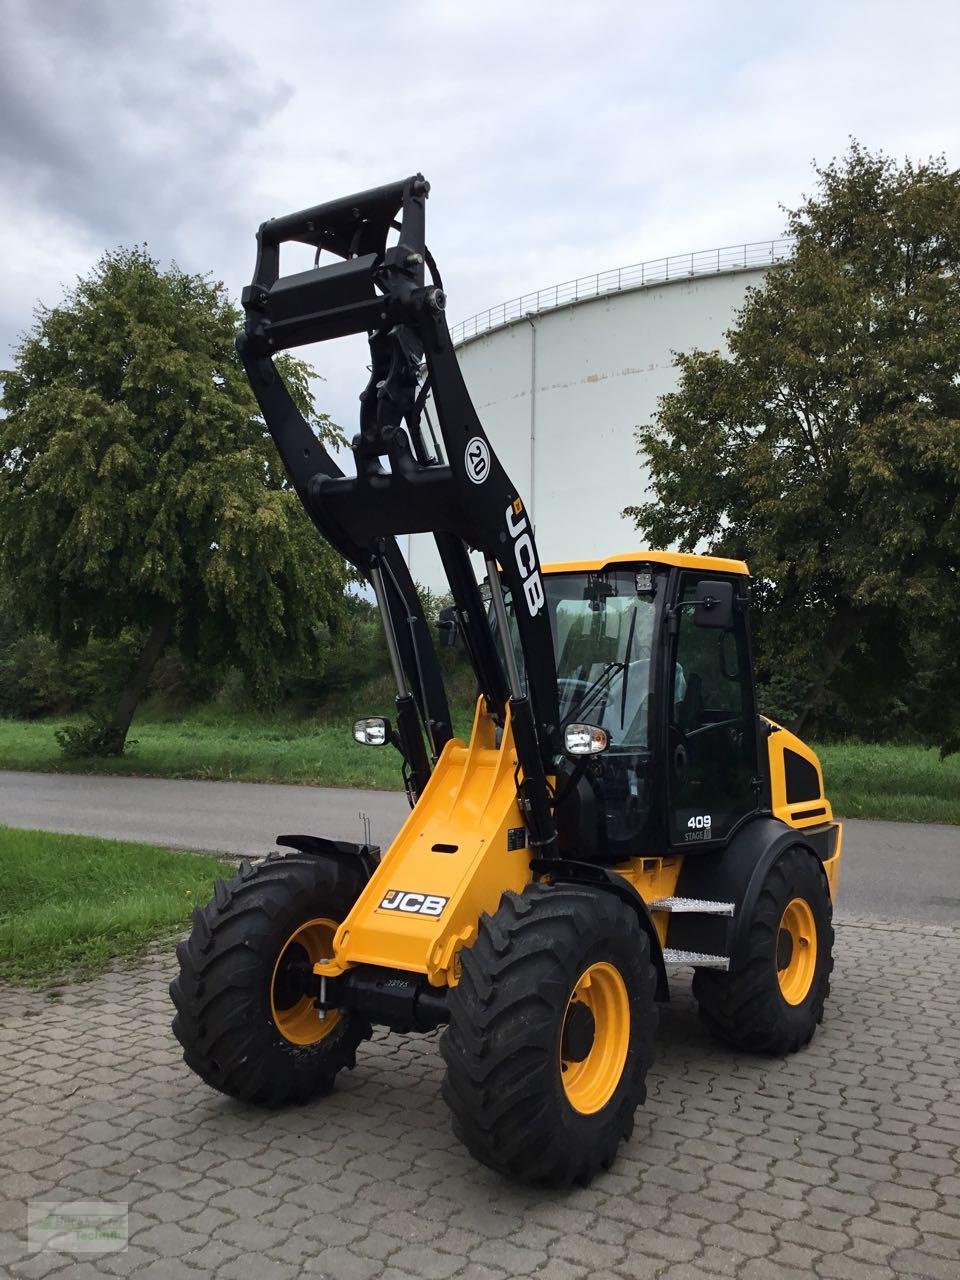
526,557
413,904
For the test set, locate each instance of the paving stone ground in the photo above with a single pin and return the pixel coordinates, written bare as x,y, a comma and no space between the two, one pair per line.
840,1162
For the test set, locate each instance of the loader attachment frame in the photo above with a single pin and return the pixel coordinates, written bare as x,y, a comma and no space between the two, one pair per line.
465,499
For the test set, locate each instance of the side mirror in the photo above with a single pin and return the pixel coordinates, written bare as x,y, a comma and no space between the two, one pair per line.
584,740
714,605
448,629
373,731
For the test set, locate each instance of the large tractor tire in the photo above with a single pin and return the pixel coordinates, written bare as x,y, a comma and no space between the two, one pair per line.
551,1033
243,1022
773,1002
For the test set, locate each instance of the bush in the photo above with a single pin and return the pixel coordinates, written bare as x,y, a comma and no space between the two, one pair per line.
33,679
97,736
41,678
179,682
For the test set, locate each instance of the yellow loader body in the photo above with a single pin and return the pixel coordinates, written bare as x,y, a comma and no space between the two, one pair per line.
465,844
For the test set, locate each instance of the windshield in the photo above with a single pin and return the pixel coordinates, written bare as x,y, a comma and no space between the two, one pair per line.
602,635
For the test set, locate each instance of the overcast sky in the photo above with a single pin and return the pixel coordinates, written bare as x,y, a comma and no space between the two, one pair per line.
560,139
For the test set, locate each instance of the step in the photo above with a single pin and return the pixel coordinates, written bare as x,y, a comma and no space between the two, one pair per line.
698,906
698,959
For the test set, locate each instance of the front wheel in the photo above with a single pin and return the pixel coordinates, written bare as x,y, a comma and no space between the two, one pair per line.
773,1002
244,1022
551,1034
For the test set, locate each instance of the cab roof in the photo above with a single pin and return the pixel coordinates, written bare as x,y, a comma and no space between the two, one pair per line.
676,559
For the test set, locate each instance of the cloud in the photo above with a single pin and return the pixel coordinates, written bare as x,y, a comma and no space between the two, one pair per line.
560,140
118,126
115,115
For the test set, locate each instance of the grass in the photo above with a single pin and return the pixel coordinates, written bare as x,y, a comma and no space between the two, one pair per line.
211,744
902,783
71,904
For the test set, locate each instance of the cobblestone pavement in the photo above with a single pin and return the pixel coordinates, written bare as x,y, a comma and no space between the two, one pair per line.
839,1162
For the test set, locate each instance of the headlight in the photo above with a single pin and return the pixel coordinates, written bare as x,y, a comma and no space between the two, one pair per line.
584,740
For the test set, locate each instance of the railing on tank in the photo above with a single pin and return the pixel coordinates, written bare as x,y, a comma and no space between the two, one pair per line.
679,266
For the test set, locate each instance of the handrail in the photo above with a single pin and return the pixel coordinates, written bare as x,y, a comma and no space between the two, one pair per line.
639,275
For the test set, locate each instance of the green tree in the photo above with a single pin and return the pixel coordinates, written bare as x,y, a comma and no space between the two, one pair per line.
139,488
824,447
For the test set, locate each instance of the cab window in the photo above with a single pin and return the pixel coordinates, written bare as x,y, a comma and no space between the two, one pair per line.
602,635
602,629
712,745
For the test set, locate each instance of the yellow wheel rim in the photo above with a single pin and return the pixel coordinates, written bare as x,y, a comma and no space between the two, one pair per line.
591,1068
796,951
296,1017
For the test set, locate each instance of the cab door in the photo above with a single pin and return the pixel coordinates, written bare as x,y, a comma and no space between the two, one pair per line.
711,725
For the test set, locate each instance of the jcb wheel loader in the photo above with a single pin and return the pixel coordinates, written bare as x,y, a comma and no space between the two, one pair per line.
619,809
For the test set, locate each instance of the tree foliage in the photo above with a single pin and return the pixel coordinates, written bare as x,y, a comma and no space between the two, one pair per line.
139,488
824,447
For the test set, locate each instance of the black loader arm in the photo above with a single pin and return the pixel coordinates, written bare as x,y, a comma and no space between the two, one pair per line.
464,498
306,458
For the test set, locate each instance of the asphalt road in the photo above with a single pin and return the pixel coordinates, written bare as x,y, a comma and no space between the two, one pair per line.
891,870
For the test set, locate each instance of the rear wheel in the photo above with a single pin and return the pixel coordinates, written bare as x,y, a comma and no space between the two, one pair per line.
774,1001
551,1034
244,1022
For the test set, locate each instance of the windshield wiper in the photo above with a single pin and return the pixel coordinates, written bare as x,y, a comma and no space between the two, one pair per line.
626,666
602,680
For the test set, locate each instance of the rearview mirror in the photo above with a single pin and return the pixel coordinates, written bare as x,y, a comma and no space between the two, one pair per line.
598,591
373,731
584,740
714,604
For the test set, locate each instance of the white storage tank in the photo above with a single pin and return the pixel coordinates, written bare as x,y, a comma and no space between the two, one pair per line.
562,378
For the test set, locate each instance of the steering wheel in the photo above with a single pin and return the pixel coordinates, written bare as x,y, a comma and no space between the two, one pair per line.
711,725
571,687
731,729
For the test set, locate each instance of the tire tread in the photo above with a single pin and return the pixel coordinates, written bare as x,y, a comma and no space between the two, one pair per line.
501,1036
221,994
743,1007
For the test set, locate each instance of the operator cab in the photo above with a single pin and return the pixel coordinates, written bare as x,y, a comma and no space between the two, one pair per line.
671,689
